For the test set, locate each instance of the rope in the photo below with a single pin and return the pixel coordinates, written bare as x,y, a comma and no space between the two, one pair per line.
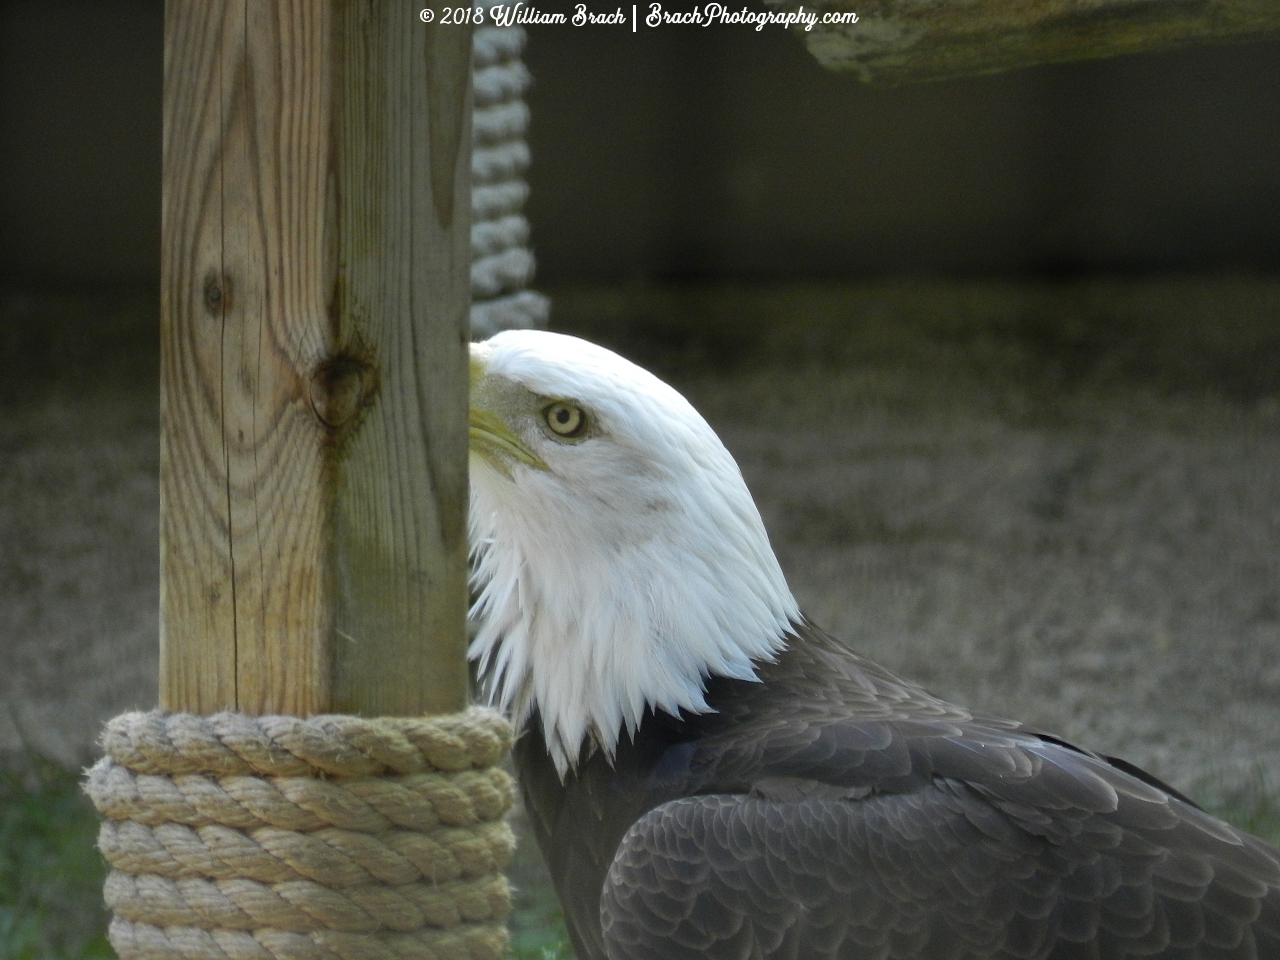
331,838
501,262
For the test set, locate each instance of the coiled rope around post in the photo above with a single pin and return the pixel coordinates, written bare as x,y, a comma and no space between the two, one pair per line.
233,837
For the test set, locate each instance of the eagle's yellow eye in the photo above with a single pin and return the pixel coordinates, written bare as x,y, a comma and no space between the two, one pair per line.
565,420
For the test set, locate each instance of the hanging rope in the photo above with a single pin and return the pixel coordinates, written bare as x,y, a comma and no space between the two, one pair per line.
331,838
501,262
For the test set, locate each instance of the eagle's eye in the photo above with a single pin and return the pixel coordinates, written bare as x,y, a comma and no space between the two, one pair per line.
566,420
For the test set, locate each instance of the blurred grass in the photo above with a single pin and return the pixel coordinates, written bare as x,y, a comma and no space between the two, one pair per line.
51,874
50,871
1256,809
537,926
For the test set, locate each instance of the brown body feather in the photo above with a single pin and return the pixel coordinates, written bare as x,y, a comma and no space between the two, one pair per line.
832,810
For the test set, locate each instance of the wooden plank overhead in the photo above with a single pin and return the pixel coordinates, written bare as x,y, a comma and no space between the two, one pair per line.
906,41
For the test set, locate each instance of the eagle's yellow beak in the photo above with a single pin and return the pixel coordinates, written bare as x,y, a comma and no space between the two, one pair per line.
489,434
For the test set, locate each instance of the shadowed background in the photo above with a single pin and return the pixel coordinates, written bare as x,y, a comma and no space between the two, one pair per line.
717,152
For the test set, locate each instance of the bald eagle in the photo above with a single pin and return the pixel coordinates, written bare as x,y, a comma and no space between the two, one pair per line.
710,775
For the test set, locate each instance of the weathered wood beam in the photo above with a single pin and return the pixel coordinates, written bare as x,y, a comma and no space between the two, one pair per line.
905,41
315,289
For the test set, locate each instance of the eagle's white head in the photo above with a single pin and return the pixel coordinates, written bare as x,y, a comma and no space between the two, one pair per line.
618,556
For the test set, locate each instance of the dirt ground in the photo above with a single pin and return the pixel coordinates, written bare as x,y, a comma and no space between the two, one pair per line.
1054,501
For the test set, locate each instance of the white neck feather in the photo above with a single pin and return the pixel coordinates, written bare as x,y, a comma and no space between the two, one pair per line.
622,590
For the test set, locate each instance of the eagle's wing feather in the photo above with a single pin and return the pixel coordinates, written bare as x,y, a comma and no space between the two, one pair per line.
942,872
834,811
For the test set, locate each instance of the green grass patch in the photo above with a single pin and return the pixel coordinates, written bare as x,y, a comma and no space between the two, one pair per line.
1255,809
50,871
537,926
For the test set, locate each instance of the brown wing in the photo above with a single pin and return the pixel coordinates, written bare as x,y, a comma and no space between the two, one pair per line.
833,810
949,872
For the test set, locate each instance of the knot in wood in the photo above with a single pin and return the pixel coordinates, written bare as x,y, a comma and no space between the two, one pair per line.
328,837
217,294
341,386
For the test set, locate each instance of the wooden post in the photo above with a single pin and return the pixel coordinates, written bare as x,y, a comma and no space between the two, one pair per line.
904,41
315,289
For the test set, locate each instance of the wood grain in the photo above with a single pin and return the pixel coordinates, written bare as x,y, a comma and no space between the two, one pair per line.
315,278
905,41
